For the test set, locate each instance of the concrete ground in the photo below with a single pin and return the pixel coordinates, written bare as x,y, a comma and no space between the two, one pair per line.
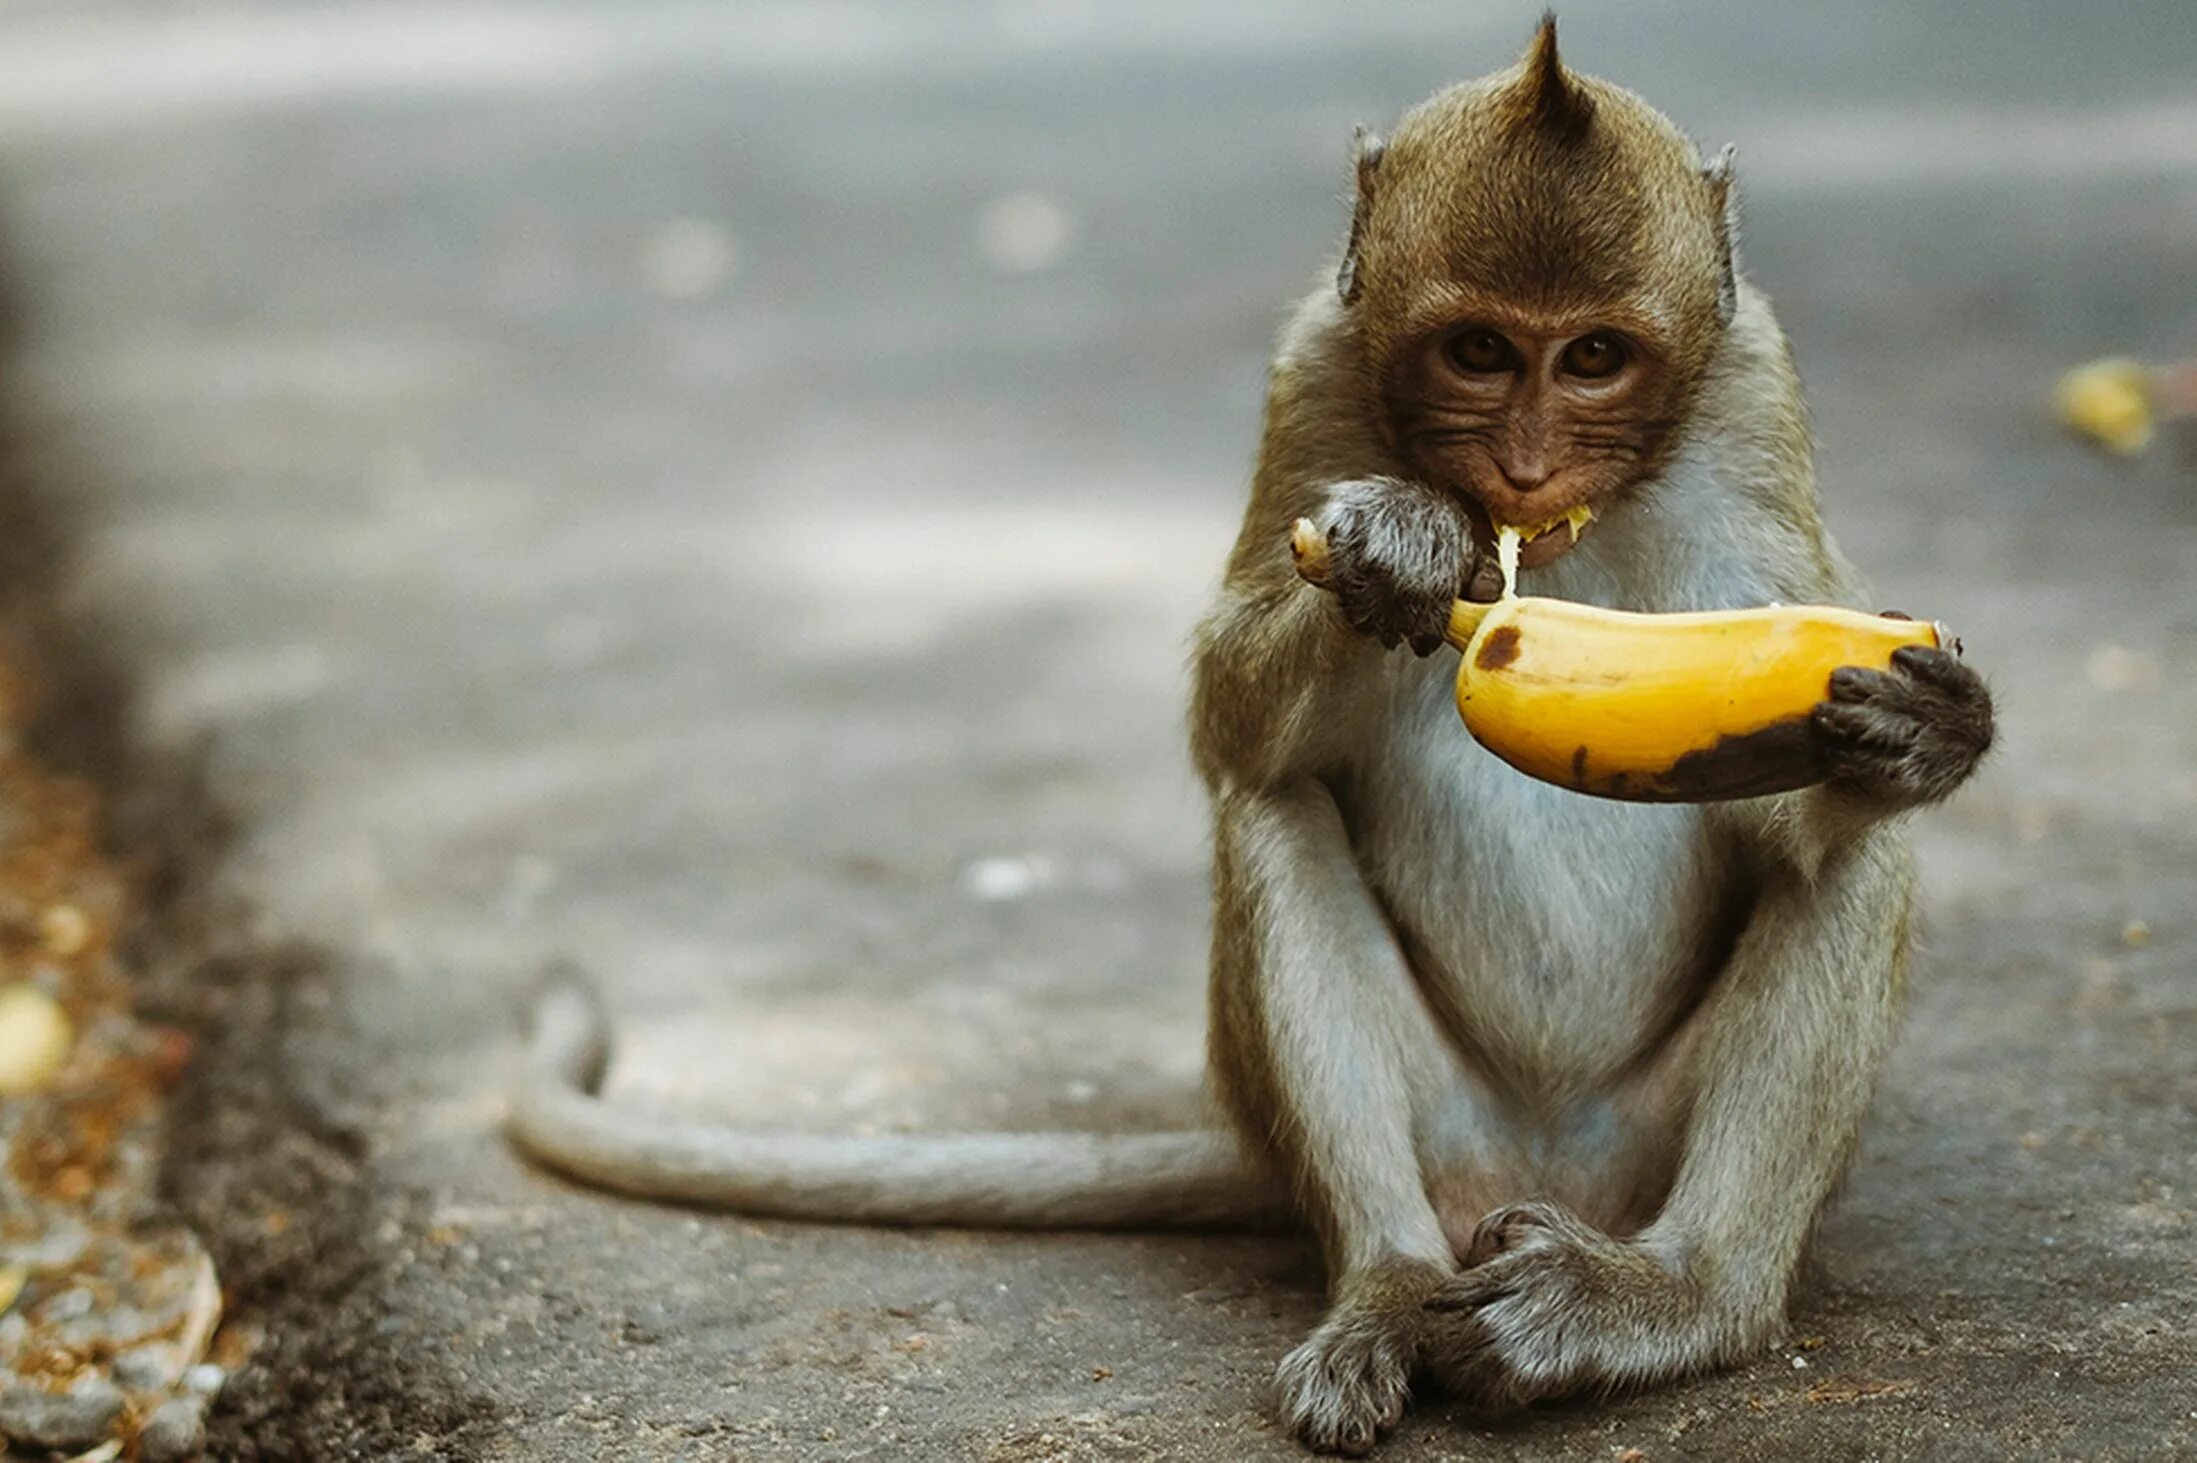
721,492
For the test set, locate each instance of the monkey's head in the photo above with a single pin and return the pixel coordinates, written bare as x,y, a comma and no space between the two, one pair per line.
1540,269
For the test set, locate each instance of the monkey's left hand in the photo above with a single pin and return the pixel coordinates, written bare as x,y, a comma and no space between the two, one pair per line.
1550,1305
1906,736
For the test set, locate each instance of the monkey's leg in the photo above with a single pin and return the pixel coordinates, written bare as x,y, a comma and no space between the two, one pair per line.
1324,1051
1784,1054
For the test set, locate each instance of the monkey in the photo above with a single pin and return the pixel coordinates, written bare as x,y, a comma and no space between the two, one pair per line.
1560,1085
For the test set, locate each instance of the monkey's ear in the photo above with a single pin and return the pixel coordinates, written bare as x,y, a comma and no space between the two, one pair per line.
1552,99
1725,199
1366,149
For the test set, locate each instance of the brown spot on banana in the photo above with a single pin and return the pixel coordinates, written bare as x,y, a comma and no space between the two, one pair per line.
1498,648
1777,758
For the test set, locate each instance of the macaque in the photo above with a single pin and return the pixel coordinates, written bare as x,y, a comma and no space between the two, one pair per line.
1560,1084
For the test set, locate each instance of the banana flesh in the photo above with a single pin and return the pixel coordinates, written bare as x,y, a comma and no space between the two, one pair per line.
1698,707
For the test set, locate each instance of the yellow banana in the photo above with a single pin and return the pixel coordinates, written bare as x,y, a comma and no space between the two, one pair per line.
1652,707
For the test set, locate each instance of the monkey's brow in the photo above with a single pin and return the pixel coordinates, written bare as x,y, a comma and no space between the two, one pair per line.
1444,410
1451,434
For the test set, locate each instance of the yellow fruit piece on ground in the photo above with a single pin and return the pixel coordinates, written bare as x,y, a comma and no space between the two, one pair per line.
35,1037
2110,402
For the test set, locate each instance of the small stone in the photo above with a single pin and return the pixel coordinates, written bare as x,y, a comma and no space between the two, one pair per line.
1022,233
12,1280
58,1246
687,258
2136,934
1007,877
104,1327
176,1431
205,1380
75,1419
2118,668
154,1367
35,1037
64,930
68,1305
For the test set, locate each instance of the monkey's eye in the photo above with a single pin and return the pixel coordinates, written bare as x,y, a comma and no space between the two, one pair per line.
1482,353
1592,356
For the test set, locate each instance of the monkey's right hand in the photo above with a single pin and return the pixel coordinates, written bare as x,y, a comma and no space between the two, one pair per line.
1398,555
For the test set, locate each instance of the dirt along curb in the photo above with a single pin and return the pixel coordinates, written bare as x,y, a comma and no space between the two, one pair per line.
192,1258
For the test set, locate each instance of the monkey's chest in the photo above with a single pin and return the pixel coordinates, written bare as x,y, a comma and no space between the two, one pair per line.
1559,933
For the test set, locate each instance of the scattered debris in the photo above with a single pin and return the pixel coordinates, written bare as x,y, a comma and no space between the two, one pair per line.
1025,233
1856,1389
2118,668
35,1037
176,1431
105,1310
2117,403
1008,877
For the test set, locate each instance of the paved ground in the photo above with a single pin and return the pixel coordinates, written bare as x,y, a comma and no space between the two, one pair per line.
722,492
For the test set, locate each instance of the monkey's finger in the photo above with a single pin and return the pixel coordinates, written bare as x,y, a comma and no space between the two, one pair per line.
1853,683
1865,727
1362,610
1473,1289
1937,668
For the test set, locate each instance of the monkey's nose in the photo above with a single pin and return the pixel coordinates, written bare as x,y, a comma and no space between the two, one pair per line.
1523,477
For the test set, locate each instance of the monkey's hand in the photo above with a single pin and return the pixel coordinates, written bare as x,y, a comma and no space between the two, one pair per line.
1549,1305
1399,555
1907,736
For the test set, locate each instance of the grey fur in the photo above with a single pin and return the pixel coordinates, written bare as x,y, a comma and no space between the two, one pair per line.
1719,174
1011,1180
1401,554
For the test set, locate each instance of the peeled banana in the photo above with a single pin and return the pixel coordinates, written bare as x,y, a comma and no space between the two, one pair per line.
1653,708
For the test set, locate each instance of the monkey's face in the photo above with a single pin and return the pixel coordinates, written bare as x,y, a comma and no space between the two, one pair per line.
1536,421
1540,274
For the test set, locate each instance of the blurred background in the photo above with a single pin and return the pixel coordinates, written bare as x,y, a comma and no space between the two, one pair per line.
722,491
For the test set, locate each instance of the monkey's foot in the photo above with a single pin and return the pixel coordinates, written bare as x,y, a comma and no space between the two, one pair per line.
1551,1306
1347,1383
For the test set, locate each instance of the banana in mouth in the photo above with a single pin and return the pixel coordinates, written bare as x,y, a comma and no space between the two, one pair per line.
1510,538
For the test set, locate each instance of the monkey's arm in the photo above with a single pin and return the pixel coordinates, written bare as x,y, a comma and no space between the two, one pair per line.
1322,1045
1325,1052
1781,1057
1785,1059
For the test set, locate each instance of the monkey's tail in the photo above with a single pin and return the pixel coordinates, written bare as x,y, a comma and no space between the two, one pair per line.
1182,1180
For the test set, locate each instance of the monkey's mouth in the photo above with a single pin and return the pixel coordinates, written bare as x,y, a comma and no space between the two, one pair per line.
1548,540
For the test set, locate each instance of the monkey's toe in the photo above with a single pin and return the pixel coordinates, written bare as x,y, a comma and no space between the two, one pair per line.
1505,1229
